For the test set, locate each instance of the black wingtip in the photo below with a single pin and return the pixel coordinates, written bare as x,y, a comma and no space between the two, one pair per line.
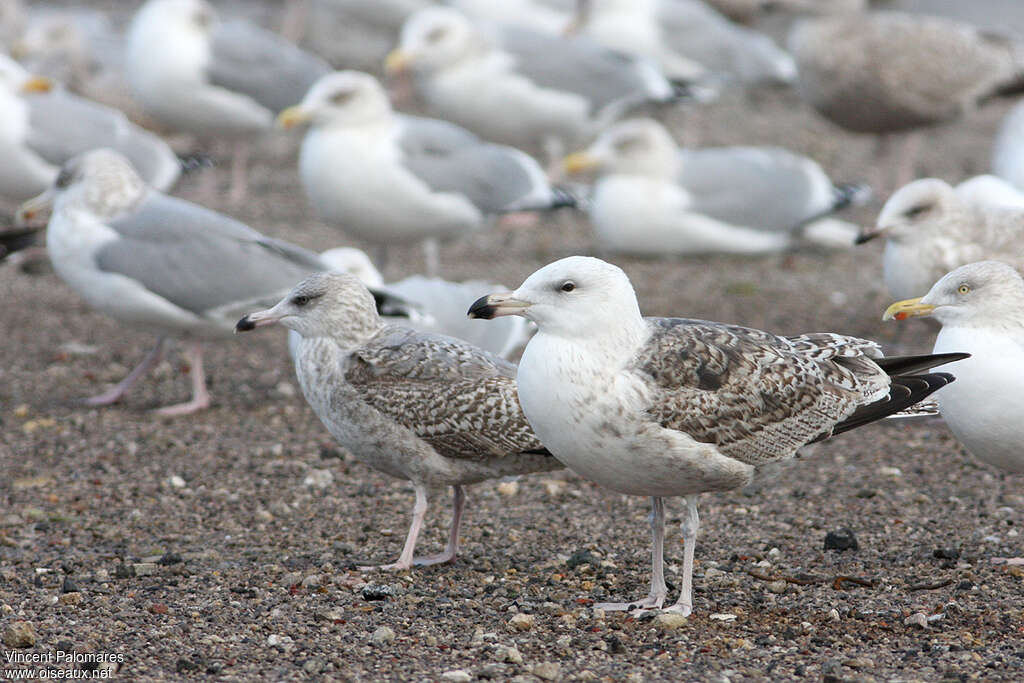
562,198
482,309
850,194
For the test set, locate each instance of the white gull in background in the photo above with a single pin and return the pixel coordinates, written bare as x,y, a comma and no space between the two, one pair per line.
981,309
990,190
930,229
653,198
43,126
422,407
676,407
547,16
160,263
389,178
1008,148
686,38
520,87
214,79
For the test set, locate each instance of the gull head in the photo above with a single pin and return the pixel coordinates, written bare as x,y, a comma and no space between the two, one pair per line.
15,79
432,39
100,181
576,297
342,98
191,16
633,147
912,209
981,294
333,305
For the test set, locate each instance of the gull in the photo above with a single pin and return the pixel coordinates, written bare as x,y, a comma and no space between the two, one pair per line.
676,407
653,198
423,407
931,229
981,309
214,79
520,87
389,179
990,190
160,263
686,38
888,72
1008,148
44,126
749,11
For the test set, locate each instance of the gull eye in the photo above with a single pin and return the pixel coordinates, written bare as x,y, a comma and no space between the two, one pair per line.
342,97
300,300
568,286
435,34
963,289
916,211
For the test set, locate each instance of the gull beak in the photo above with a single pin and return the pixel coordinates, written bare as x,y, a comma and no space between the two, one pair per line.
258,319
293,116
33,211
867,234
909,308
495,305
397,62
37,84
579,162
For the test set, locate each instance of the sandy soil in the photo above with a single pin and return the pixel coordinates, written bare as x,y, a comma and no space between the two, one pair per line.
222,545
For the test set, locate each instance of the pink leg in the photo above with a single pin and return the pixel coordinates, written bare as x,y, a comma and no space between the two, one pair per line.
239,173
458,505
691,523
200,397
656,598
114,394
419,510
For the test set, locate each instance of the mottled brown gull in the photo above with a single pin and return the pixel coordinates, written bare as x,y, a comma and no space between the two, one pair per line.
930,229
675,407
423,407
157,262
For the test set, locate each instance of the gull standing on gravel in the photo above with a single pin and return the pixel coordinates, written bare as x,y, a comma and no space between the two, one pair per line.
521,87
676,407
388,178
653,198
214,79
930,229
981,308
686,38
43,126
158,262
422,407
889,72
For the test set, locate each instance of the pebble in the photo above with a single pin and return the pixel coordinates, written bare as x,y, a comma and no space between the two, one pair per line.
176,481
887,471
833,614
72,598
312,581
383,635
669,621
777,586
547,671
841,539
291,579
917,619
508,488
723,617
946,554
69,586
19,634
279,641
457,676
319,479
508,653
377,591
522,622
144,568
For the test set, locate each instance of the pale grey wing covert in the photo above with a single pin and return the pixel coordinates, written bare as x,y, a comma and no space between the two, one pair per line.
459,399
251,60
200,260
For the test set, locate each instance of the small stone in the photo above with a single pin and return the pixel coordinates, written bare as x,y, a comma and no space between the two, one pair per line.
887,471
376,591
669,621
19,634
581,557
158,608
547,671
286,389
313,666
279,641
509,654
176,481
312,581
383,636
723,617
169,558
841,539
917,619
522,622
554,487
456,676
291,579
72,598
833,614
508,488
123,571
712,573
777,587
946,554
860,663
144,568
319,479
69,586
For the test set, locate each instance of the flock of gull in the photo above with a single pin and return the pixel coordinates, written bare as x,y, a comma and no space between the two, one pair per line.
524,98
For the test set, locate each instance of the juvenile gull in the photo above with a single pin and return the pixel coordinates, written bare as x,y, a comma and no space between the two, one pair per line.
43,126
388,178
158,262
520,87
675,407
653,198
423,407
930,230
981,308
211,78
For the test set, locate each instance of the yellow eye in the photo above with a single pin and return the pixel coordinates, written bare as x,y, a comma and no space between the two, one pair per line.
963,289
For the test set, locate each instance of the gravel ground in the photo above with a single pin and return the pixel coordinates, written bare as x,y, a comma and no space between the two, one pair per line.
222,545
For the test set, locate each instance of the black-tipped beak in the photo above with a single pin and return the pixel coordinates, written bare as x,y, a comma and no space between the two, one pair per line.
244,325
866,235
257,319
495,305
